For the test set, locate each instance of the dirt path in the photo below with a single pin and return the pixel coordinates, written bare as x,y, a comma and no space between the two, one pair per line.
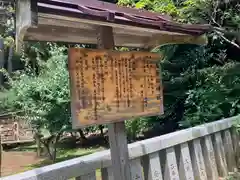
16,162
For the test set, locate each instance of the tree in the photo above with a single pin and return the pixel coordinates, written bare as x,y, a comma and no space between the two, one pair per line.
43,99
188,98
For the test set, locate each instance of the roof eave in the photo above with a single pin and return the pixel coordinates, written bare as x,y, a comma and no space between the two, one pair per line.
55,24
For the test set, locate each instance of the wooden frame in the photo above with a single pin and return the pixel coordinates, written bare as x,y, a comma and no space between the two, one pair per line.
32,25
110,86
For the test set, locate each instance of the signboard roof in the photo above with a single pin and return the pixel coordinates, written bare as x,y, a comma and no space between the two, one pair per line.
108,12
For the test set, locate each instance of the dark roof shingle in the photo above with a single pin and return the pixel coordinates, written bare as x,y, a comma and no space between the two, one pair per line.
102,11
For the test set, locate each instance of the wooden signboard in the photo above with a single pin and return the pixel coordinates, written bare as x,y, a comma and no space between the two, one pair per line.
111,86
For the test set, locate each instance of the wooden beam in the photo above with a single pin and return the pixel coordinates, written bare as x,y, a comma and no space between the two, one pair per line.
116,131
26,16
157,41
74,35
76,30
56,19
63,22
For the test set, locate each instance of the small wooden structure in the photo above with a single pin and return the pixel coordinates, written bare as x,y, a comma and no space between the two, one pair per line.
78,21
15,131
107,25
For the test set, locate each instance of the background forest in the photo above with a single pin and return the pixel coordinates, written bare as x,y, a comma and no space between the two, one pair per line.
201,84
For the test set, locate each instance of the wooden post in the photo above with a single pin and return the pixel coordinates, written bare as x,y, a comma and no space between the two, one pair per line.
116,131
1,59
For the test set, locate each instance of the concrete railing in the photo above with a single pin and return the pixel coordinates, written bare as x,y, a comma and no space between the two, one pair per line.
204,152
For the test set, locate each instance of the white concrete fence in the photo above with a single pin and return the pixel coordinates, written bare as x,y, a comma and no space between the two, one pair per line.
205,152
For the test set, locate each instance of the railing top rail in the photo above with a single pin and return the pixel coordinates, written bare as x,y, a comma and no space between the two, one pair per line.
82,165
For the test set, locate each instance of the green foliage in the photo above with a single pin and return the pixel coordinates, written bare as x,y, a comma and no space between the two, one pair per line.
137,126
44,100
163,6
201,84
216,95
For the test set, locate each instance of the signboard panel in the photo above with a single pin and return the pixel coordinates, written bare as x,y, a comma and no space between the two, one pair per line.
109,86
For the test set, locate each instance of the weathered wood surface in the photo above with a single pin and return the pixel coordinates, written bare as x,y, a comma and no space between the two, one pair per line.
198,136
220,155
199,168
185,165
228,146
209,158
110,86
37,26
136,170
152,167
26,17
119,151
15,131
171,167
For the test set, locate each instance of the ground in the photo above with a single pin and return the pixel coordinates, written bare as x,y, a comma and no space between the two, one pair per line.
18,161
23,158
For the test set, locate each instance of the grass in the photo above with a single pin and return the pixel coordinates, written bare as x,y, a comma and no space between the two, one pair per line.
65,151
65,154
62,155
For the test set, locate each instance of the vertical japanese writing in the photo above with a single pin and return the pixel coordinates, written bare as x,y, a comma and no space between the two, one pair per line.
112,85
116,81
82,83
120,81
94,88
124,64
130,71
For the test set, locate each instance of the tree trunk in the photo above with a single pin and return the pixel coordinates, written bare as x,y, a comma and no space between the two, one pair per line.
51,146
38,143
82,136
101,129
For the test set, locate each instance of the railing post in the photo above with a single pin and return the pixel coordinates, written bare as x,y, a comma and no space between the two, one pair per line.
235,138
185,167
171,168
220,155
152,167
136,169
228,145
198,161
209,158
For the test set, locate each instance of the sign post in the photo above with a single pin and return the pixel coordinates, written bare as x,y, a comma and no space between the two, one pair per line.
109,87
116,131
